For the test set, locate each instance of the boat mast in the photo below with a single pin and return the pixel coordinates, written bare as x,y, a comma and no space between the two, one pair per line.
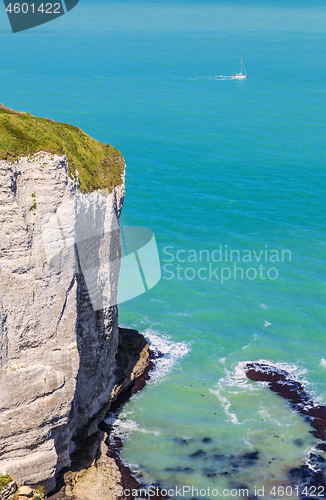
242,65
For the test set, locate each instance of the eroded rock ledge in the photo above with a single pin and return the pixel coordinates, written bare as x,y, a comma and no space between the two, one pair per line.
312,474
280,381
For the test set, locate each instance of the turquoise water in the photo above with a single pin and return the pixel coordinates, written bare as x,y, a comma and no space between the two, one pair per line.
210,162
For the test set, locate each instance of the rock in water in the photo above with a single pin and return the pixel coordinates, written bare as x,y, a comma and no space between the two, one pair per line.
280,381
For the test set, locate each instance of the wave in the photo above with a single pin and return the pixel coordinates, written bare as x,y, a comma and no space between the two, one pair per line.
173,352
121,422
179,314
235,380
122,425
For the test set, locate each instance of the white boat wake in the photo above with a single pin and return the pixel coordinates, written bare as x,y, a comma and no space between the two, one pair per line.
223,77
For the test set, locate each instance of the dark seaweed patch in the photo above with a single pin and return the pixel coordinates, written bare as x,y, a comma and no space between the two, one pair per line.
207,440
251,456
198,453
180,441
188,470
209,472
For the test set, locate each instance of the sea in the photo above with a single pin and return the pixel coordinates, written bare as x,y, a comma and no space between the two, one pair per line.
230,177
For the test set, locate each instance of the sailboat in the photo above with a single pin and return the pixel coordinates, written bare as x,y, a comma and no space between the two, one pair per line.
241,75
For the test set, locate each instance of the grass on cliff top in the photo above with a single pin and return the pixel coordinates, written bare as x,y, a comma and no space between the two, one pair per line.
21,134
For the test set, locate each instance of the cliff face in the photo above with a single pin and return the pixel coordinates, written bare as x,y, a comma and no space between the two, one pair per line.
57,350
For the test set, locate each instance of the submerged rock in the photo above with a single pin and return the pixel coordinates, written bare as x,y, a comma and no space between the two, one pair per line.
308,476
207,440
254,455
188,470
180,441
198,454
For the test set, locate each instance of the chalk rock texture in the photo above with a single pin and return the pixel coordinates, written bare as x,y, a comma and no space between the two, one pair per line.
8,491
58,319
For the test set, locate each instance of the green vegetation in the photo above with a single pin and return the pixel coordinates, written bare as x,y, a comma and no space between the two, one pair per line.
39,493
4,479
33,207
99,165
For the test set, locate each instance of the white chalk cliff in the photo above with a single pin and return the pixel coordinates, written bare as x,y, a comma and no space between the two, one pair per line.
57,352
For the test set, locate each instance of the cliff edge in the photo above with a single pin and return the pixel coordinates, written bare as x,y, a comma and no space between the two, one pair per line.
60,363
